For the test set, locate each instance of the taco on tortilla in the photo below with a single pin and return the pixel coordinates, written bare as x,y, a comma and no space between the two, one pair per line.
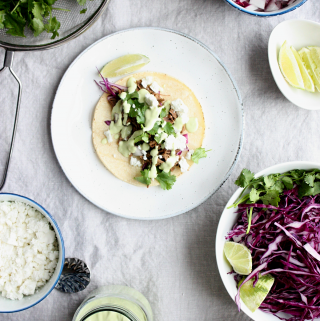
148,128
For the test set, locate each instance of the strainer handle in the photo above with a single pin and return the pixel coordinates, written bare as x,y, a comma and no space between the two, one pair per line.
8,60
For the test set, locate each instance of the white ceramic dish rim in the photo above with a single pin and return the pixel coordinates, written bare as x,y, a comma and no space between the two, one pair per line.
223,273
240,140
267,14
52,220
274,66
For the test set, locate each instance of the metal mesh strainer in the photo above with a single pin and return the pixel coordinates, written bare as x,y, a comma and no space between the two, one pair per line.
72,25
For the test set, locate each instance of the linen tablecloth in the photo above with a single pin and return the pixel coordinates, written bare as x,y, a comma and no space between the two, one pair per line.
172,261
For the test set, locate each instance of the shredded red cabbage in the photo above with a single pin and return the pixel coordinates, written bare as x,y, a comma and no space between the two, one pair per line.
284,241
108,122
108,87
186,136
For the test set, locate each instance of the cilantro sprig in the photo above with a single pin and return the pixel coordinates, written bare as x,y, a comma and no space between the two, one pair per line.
198,154
268,189
166,180
144,178
37,15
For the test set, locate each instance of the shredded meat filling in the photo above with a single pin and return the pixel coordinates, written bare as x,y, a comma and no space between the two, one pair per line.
134,124
153,144
157,95
172,116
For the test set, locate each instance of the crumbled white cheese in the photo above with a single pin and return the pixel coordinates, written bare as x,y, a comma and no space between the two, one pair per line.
189,154
108,135
114,155
183,165
156,87
181,109
146,81
29,250
178,142
151,100
144,153
160,156
134,161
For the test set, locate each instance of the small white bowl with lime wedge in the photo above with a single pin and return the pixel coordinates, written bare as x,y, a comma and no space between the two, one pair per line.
298,34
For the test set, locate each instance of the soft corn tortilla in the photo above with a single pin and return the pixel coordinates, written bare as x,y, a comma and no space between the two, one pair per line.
108,153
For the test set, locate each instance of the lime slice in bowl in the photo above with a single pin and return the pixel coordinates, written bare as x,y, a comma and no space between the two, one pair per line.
307,80
251,296
289,67
239,257
124,65
305,55
315,58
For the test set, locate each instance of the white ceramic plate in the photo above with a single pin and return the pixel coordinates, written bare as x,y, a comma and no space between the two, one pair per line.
298,33
227,221
181,57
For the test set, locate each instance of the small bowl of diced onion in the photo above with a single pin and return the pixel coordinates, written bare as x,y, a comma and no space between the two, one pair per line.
31,253
266,8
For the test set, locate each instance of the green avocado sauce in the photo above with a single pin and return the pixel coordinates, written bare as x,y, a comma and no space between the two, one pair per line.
127,147
142,94
178,124
145,147
166,166
192,125
151,115
153,170
132,85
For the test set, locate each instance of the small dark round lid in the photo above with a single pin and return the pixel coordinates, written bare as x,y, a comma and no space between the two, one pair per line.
75,276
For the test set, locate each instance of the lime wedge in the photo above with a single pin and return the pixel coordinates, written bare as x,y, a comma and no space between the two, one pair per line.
305,55
251,296
239,257
289,67
124,65
307,80
315,56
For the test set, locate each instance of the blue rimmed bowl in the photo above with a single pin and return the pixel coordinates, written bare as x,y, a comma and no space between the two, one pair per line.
10,306
295,5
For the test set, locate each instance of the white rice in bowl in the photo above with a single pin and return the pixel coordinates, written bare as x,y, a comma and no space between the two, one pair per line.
28,250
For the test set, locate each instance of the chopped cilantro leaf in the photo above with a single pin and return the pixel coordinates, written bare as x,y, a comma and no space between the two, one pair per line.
132,96
83,11
198,154
244,178
82,2
166,180
144,137
168,128
158,138
16,15
53,26
144,178
15,24
269,188
155,128
254,195
138,112
2,17
163,113
271,198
